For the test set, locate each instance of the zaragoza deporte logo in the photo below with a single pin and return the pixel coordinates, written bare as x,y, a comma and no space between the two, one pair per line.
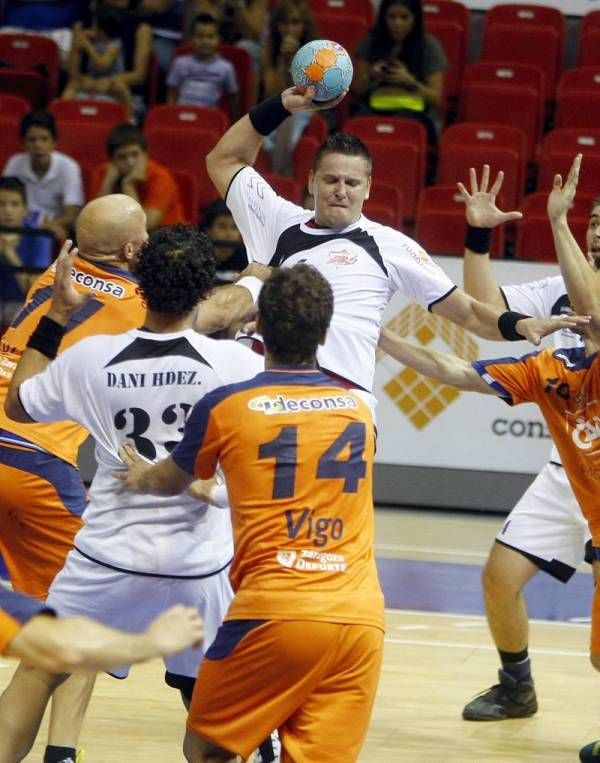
421,399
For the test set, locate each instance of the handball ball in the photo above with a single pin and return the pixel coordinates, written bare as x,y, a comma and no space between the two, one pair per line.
325,65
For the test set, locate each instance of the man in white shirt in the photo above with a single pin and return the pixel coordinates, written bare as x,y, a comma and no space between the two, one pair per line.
53,179
364,262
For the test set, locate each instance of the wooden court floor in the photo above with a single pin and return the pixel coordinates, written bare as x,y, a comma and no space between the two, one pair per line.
434,662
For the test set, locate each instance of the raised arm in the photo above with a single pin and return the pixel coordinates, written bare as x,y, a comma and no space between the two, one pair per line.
43,344
580,278
482,216
239,146
446,368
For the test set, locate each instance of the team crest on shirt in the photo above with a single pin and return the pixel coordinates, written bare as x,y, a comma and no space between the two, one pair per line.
342,258
286,558
586,432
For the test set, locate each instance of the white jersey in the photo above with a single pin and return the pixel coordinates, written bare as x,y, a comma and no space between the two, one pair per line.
365,263
139,387
546,298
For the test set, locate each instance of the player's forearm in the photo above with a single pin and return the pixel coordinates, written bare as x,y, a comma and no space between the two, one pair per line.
77,644
164,478
238,146
576,272
432,363
226,305
480,280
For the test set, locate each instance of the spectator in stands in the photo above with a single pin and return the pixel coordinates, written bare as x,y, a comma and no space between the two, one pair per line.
97,59
166,19
52,179
241,22
401,68
291,25
203,77
136,38
130,171
16,248
220,227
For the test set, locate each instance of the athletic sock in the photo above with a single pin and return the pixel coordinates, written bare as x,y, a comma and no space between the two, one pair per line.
56,754
516,664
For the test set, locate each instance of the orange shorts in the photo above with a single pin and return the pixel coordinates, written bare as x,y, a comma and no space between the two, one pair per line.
313,681
40,513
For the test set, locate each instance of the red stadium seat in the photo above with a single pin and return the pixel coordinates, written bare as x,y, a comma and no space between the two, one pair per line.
27,84
390,196
578,108
287,187
572,140
13,106
401,166
344,8
455,160
10,143
440,223
84,142
393,130
555,161
32,51
189,195
317,127
185,150
535,240
591,20
586,78
528,35
380,213
179,116
589,47
304,154
88,111
511,94
347,30
452,39
534,205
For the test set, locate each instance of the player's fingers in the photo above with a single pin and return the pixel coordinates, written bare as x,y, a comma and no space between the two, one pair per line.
485,178
574,171
557,183
463,191
473,180
508,216
497,185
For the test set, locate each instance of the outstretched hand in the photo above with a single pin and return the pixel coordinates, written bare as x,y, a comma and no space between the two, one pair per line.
561,197
480,204
295,99
66,300
535,329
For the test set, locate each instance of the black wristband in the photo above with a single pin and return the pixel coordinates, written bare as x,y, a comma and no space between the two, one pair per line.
268,115
478,240
47,337
507,323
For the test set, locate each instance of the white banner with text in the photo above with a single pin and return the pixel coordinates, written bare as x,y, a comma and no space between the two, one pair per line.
424,423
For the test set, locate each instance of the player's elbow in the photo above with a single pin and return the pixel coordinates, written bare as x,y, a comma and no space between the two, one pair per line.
13,407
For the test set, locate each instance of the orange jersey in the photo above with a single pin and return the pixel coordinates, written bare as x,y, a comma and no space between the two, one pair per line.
566,386
15,611
116,307
297,452
158,191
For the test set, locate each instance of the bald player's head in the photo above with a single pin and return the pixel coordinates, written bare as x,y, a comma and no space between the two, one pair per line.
111,227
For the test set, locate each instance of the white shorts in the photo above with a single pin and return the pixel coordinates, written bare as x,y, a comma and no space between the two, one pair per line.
130,602
547,524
